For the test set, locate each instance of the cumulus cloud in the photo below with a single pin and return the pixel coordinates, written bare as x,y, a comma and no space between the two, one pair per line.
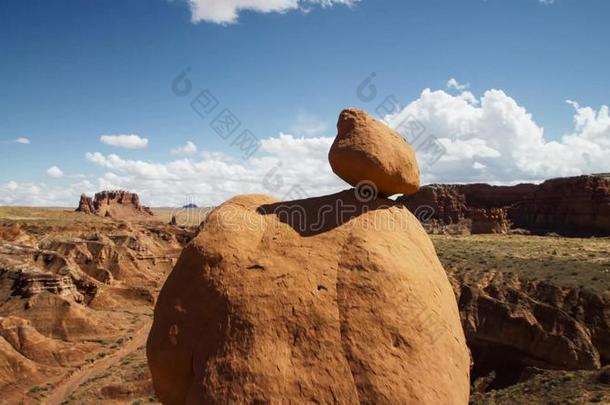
125,141
187,149
453,84
44,195
227,11
494,139
286,166
488,138
54,171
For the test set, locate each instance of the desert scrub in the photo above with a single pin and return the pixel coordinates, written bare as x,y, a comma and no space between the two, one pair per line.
570,262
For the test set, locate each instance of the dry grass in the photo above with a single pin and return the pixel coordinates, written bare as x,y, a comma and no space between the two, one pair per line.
45,215
550,388
184,216
572,262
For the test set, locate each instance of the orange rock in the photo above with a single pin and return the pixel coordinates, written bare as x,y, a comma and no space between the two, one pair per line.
116,204
368,150
326,300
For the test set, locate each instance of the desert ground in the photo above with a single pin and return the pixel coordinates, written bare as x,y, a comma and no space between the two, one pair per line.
78,336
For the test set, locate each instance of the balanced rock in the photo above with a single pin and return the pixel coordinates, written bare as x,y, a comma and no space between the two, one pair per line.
366,150
326,300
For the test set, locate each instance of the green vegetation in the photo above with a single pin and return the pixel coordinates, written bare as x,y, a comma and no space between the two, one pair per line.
550,387
570,262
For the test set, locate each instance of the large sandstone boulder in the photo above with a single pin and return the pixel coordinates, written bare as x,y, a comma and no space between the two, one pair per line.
325,300
366,150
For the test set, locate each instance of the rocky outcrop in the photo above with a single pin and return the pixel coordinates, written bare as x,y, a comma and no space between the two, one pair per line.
85,205
26,340
28,284
567,206
511,324
451,203
487,196
310,301
523,330
492,220
447,203
589,308
115,204
366,150
12,233
575,206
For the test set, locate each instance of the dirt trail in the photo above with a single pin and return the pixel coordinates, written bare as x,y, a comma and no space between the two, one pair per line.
74,380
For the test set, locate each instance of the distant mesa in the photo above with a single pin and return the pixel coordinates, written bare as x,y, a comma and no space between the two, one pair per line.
571,206
190,206
113,204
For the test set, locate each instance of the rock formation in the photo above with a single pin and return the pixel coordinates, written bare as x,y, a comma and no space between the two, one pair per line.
574,205
567,206
333,299
115,204
492,220
26,340
511,324
86,205
73,292
28,284
366,150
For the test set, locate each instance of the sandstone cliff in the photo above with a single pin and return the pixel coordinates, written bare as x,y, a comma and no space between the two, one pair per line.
115,204
574,205
569,206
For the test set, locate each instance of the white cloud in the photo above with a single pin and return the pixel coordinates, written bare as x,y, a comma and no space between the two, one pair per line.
494,139
125,141
488,139
43,195
227,11
20,140
55,171
453,84
187,149
283,162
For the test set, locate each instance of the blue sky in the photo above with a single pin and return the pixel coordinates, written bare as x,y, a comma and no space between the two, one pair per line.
75,70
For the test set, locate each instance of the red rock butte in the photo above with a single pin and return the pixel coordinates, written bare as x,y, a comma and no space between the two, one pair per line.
116,204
